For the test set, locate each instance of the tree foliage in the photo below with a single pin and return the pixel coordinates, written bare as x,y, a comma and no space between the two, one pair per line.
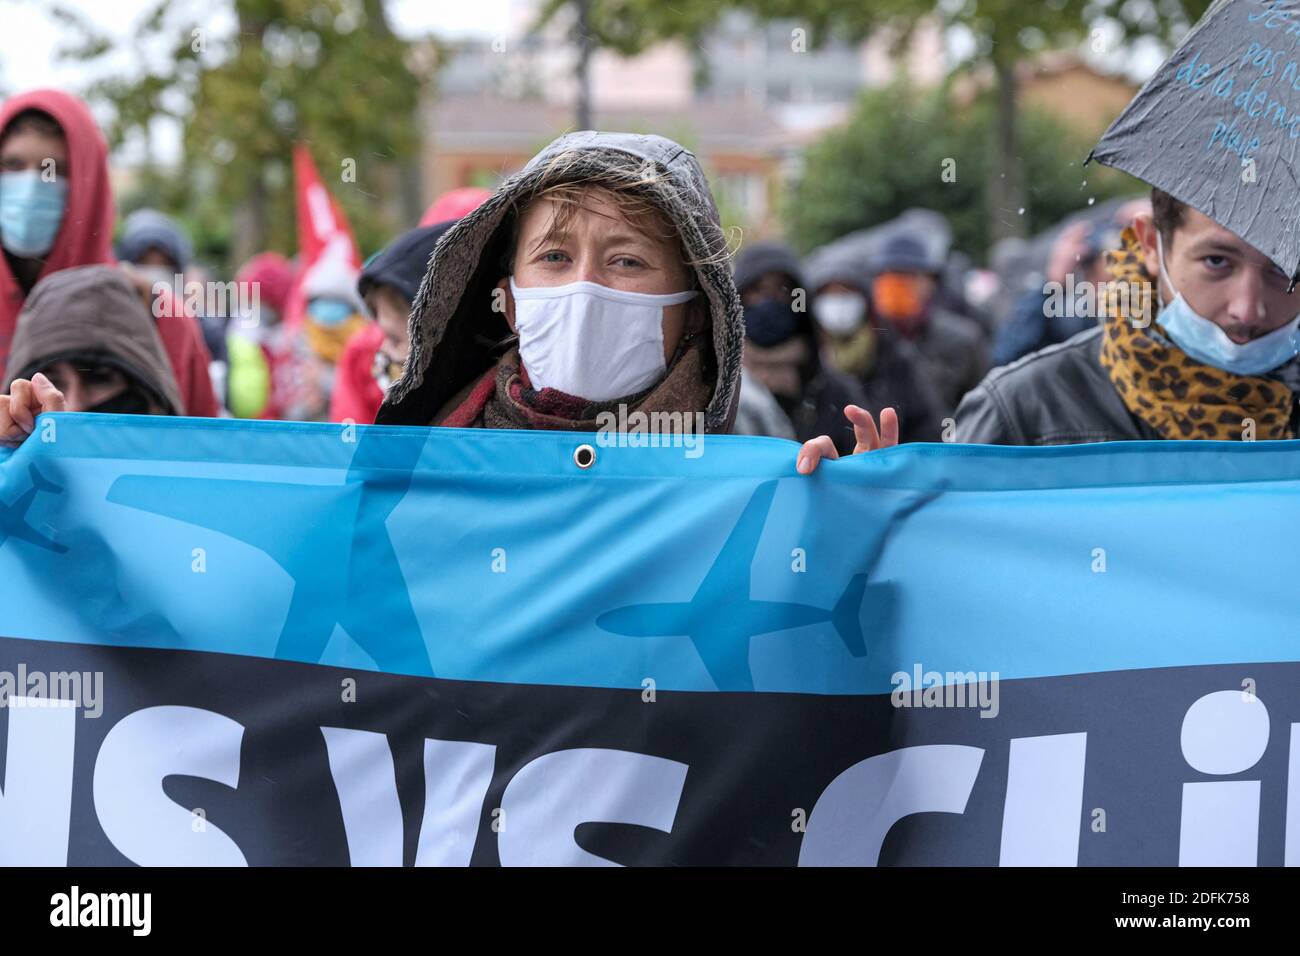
1005,30
1001,34
894,152
329,73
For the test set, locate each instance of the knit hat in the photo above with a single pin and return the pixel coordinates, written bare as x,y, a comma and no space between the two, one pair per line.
147,229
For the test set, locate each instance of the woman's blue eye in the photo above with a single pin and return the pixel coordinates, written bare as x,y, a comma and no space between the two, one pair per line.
628,261
546,257
1216,262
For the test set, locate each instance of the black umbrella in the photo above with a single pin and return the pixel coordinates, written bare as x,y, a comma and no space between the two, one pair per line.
1218,126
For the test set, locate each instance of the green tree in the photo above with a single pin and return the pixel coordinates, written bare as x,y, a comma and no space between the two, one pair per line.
1004,33
329,73
904,147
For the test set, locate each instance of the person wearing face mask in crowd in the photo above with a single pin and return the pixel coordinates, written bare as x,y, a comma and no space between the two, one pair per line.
267,280
595,279
56,212
157,252
1204,341
1200,339
334,311
85,343
304,355
903,294
155,245
783,363
41,188
374,356
889,369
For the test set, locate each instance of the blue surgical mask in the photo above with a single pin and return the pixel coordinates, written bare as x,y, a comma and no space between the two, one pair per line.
329,312
1204,341
31,211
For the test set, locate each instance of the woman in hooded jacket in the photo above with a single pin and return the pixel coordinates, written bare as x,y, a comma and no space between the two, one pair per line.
595,279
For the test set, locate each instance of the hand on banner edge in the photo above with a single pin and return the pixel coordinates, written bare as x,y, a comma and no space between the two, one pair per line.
869,438
26,400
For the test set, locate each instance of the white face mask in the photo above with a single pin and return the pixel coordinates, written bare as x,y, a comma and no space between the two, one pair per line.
589,340
1204,341
840,313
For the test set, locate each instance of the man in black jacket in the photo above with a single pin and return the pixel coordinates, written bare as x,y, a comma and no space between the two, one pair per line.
1207,352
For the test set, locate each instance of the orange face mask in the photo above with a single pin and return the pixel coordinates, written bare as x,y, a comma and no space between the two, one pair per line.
899,297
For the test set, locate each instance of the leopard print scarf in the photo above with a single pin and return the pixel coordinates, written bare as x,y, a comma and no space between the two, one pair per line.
1158,382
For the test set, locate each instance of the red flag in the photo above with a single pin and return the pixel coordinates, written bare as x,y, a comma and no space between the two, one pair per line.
323,230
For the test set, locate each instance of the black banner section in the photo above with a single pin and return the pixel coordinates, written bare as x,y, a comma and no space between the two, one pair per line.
197,758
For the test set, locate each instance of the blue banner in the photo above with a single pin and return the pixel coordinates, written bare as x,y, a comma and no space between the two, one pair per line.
309,643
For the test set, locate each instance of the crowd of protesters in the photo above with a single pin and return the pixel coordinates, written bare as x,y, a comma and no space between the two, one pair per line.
600,277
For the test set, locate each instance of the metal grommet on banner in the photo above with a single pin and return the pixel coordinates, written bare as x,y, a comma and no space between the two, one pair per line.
584,456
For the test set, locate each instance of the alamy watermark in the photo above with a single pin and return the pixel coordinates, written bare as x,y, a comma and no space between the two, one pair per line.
1098,300
25,688
639,429
922,688
128,910
222,300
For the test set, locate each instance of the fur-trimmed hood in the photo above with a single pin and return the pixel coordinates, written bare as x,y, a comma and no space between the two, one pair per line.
454,332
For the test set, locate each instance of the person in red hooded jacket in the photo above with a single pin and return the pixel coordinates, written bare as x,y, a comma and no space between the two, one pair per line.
250,375
56,212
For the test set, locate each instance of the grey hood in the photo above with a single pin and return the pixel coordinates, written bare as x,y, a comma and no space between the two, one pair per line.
93,314
454,333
